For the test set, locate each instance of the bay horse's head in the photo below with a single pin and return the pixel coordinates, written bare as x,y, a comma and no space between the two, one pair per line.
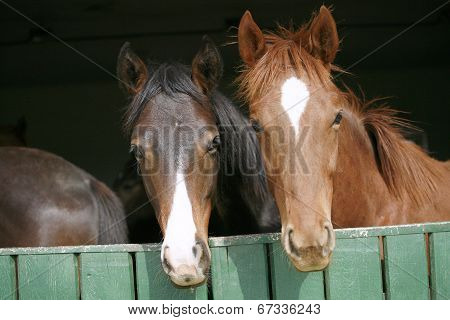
287,84
174,138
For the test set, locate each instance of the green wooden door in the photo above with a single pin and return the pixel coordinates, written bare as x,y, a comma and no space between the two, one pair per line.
48,276
7,278
288,283
405,263
153,283
240,272
355,270
440,265
106,276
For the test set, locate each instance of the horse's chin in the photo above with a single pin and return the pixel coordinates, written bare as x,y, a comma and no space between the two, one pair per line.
310,266
180,281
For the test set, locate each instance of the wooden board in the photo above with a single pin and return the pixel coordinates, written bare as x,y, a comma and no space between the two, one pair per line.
106,276
47,277
153,283
290,284
240,272
355,270
406,271
7,278
237,240
440,265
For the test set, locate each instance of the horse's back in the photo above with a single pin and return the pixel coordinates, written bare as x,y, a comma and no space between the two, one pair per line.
45,200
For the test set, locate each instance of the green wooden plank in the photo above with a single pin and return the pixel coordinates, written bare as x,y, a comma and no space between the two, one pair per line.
419,228
355,270
236,240
154,284
290,284
240,272
106,276
81,249
440,265
48,277
406,271
7,278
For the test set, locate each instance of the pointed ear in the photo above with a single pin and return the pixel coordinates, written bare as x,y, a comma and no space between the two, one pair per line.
324,40
252,44
131,70
207,66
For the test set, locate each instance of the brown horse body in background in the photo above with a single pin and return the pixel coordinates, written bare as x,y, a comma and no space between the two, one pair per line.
47,201
344,162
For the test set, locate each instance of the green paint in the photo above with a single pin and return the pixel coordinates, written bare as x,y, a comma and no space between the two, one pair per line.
240,272
290,284
355,270
440,265
154,284
7,278
406,272
106,276
47,277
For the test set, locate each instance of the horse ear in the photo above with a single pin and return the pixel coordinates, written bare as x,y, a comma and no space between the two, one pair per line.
131,70
252,44
324,40
207,66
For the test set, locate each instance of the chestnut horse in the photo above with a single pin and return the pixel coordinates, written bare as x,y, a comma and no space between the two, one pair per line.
331,160
196,152
47,201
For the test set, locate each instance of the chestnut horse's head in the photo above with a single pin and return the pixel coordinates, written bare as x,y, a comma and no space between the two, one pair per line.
287,84
174,137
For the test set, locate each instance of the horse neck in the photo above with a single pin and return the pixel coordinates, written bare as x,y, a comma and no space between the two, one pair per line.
361,196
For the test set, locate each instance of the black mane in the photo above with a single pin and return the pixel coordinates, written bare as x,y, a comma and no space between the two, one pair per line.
170,79
241,171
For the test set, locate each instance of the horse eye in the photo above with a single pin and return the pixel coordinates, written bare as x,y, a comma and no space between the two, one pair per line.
214,145
256,126
137,151
338,119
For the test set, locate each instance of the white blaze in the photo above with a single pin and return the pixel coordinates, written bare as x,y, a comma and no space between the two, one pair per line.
180,229
294,97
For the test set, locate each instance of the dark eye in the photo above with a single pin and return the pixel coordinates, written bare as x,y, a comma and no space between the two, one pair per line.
214,145
338,119
256,126
137,151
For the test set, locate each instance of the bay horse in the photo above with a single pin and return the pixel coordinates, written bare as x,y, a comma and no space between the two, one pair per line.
196,151
47,201
332,160
13,135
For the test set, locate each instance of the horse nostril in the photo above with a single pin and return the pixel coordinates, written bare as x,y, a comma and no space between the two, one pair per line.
166,264
290,232
197,250
327,246
293,249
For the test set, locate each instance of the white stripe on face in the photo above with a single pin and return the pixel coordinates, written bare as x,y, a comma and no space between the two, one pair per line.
294,97
180,229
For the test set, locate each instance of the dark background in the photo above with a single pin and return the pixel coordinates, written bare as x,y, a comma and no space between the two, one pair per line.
73,107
